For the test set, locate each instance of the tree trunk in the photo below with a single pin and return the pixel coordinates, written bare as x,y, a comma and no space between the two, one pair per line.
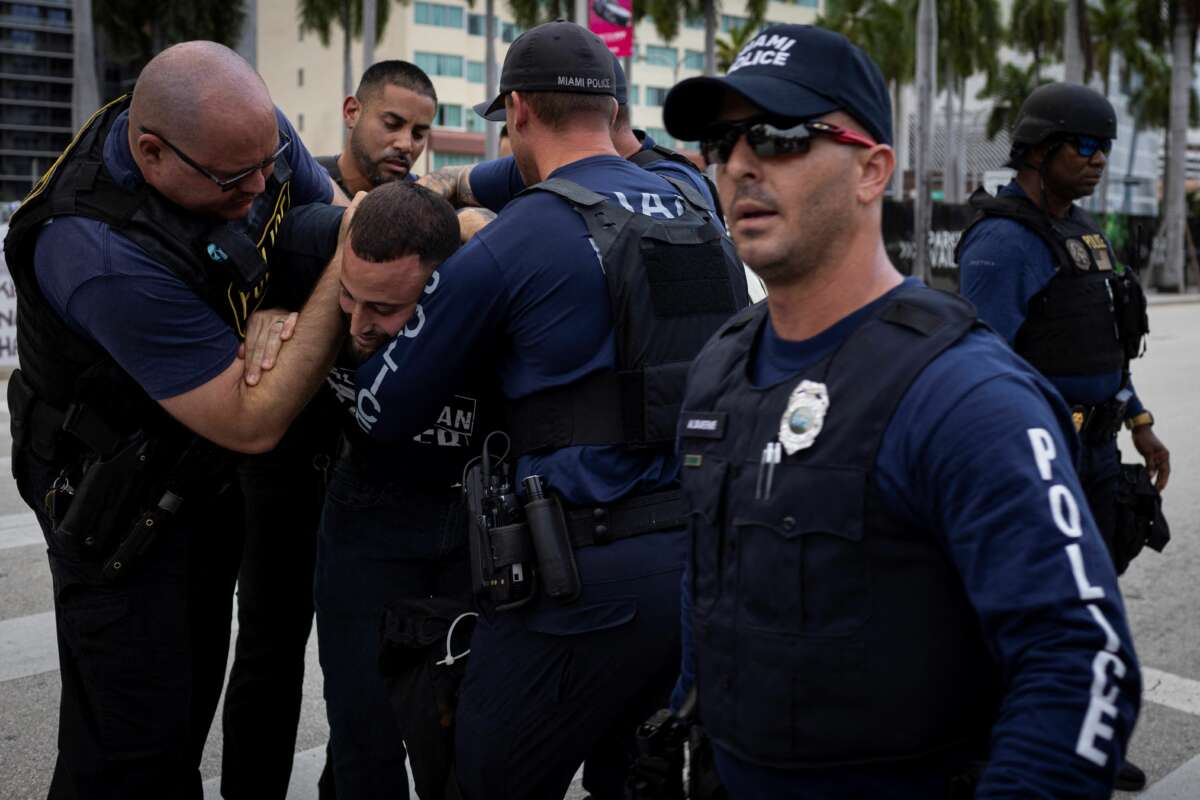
368,33
85,97
1127,195
1102,199
347,63
710,37
960,185
950,179
900,134
926,80
1072,43
492,139
1176,162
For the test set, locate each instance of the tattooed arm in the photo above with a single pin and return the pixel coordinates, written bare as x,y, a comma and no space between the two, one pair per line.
452,183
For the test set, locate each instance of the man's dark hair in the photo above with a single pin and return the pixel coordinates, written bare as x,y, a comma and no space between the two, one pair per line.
504,130
555,109
401,219
397,73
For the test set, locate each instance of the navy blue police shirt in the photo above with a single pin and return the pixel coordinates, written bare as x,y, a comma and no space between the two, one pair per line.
496,182
529,288
107,290
1002,265
981,452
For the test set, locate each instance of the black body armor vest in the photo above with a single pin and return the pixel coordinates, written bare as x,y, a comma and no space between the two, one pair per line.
646,157
671,284
330,165
1090,318
827,632
224,263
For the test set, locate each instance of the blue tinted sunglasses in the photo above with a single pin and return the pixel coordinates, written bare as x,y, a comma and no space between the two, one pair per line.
1087,146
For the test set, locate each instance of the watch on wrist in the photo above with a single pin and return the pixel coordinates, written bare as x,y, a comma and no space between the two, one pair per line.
1138,420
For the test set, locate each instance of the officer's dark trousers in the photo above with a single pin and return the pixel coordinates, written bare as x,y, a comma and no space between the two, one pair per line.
141,662
379,541
1100,474
554,687
284,491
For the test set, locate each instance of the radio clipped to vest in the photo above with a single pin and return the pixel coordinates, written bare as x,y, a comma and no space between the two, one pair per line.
516,549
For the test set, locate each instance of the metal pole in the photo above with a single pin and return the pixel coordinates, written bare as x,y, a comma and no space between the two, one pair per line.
491,138
926,80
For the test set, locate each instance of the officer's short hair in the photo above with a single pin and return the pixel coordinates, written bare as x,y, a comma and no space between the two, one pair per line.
401,219
555,109
397,73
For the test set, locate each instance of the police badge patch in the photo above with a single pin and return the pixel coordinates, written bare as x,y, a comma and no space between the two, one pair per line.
1079,254
804,416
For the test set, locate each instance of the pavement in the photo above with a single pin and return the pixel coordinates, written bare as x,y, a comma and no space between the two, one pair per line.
1161,593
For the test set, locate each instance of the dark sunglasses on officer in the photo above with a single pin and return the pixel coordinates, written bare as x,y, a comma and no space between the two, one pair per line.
773,137
1086,146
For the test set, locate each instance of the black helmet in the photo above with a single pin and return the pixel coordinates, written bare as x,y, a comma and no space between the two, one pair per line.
1062,108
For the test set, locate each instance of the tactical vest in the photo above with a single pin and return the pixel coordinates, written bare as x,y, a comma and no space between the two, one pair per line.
1086,320
644,158
671,284
224,263
826,631
330,165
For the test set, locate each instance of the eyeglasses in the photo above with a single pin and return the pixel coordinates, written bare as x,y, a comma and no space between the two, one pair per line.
1087,146
765,139
226,184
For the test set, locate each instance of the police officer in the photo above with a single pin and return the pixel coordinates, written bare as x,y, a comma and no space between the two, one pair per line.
491,184
1042,274
138,259
893,572
592,389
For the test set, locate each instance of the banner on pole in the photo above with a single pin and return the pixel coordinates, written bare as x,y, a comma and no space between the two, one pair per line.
612,21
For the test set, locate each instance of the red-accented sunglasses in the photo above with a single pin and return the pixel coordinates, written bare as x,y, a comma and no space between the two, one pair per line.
765,139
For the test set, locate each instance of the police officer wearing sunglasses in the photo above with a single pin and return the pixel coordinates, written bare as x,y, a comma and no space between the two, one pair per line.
1042,274
895,588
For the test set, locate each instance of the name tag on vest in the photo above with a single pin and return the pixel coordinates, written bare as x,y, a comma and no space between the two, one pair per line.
710,425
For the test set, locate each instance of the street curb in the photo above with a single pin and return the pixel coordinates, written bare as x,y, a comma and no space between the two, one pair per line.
1156,299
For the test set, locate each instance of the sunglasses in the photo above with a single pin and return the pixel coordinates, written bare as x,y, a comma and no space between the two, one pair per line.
765,139
226,184
1087,146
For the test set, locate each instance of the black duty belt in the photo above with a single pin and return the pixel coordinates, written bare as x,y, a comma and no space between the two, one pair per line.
597,525
632,516
1098,424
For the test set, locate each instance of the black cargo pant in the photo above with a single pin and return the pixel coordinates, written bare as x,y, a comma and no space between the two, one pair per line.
284,491
141,661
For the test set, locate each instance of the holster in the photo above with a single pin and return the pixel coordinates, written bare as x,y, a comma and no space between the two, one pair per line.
1139,519
106,497
1099,424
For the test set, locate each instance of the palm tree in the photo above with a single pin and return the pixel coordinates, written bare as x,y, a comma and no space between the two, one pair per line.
1174,24
1114,38
1037,28
319,17
886,32
969,37
1007,87
729,47
136,30
1076,43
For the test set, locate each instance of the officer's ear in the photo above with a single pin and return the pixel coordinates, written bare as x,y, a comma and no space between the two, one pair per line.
517,111
351,109
876,167
150,150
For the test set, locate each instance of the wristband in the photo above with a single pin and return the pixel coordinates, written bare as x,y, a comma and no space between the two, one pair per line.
1138,420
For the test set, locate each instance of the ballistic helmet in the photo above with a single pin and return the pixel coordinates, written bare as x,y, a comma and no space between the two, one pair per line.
1058,109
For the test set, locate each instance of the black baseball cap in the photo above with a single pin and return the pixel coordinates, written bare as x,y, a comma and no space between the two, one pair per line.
792,71
555,57
620,91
